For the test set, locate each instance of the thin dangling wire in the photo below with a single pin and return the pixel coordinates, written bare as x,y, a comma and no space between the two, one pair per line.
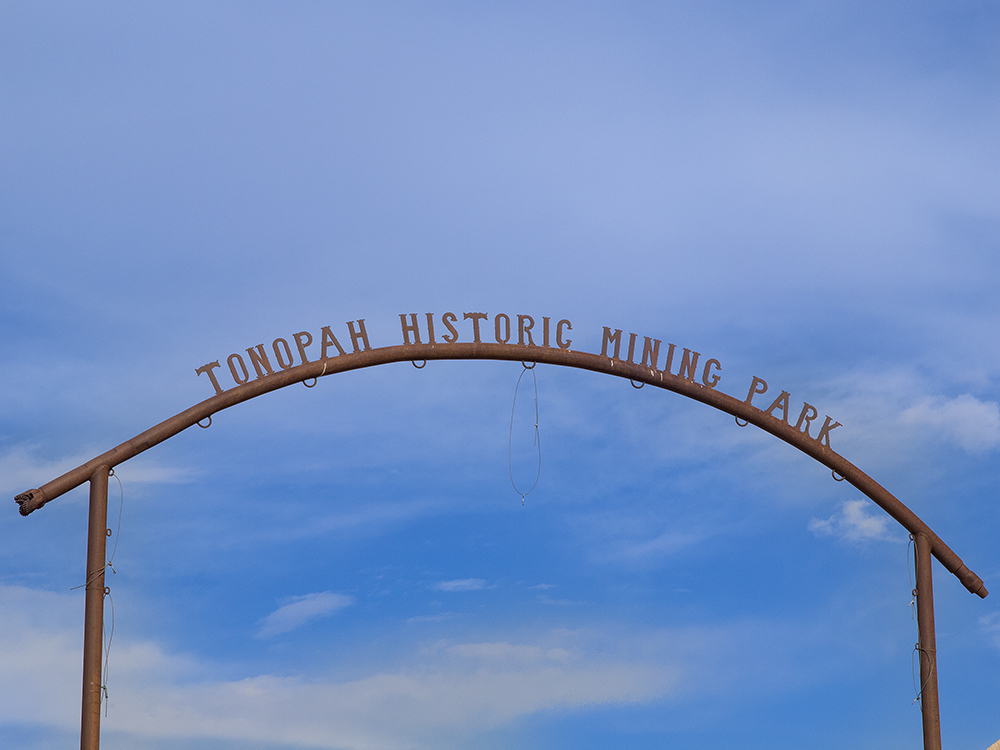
510,437
914,654
107,593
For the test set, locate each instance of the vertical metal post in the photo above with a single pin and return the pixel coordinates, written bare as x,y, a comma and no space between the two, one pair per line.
929,708
93,629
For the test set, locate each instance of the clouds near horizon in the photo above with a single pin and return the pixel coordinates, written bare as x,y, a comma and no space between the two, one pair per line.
806,192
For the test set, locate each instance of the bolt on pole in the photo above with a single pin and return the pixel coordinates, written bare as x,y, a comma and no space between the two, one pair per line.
929,708
93,629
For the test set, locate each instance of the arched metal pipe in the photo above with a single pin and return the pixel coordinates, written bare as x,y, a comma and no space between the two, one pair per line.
31,500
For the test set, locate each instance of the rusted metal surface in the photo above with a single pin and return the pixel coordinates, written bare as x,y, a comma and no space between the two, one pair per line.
928,544
93,628
929,709
742,410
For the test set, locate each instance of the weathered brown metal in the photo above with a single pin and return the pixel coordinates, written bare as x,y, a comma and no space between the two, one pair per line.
93,628
34,499
929,710
927,542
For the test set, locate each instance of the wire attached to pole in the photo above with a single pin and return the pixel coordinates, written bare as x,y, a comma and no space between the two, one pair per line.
914,666
107,650
107,593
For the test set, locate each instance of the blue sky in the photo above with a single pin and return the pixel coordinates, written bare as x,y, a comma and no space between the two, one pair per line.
806,191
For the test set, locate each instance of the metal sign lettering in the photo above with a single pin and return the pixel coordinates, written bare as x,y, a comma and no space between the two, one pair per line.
514,331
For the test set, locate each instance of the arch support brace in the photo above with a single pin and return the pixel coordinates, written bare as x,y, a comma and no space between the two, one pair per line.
93,628
929,710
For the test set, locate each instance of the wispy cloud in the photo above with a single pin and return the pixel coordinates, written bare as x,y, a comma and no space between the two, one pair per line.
301,609
991,626
461,584
545,599
22,468
416,708
449,692
39,656
509,652
667,543
440,617
972,424
854,523
888,415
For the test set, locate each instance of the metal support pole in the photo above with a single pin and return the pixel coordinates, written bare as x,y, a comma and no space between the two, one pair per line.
929,709
93,629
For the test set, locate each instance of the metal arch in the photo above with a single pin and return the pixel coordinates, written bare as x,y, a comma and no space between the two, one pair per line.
96,471
33,499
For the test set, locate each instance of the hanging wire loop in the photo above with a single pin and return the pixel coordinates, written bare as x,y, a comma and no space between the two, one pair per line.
205,426
421,366
315,380
510,437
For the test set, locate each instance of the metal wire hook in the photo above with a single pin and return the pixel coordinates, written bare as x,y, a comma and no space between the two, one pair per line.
510,437
205,426
419,367
315,380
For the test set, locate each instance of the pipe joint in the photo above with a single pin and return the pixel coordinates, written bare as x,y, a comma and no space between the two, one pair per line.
30,501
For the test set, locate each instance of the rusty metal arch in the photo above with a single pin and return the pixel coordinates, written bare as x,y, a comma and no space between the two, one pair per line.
96,471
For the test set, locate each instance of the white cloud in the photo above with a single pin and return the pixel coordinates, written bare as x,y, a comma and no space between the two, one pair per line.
301,609
440,617
973,424
40,656
543,599
461,584
991,625
667,543
21,468
455,689
449,692
890,416
508,652
853,523
390,710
